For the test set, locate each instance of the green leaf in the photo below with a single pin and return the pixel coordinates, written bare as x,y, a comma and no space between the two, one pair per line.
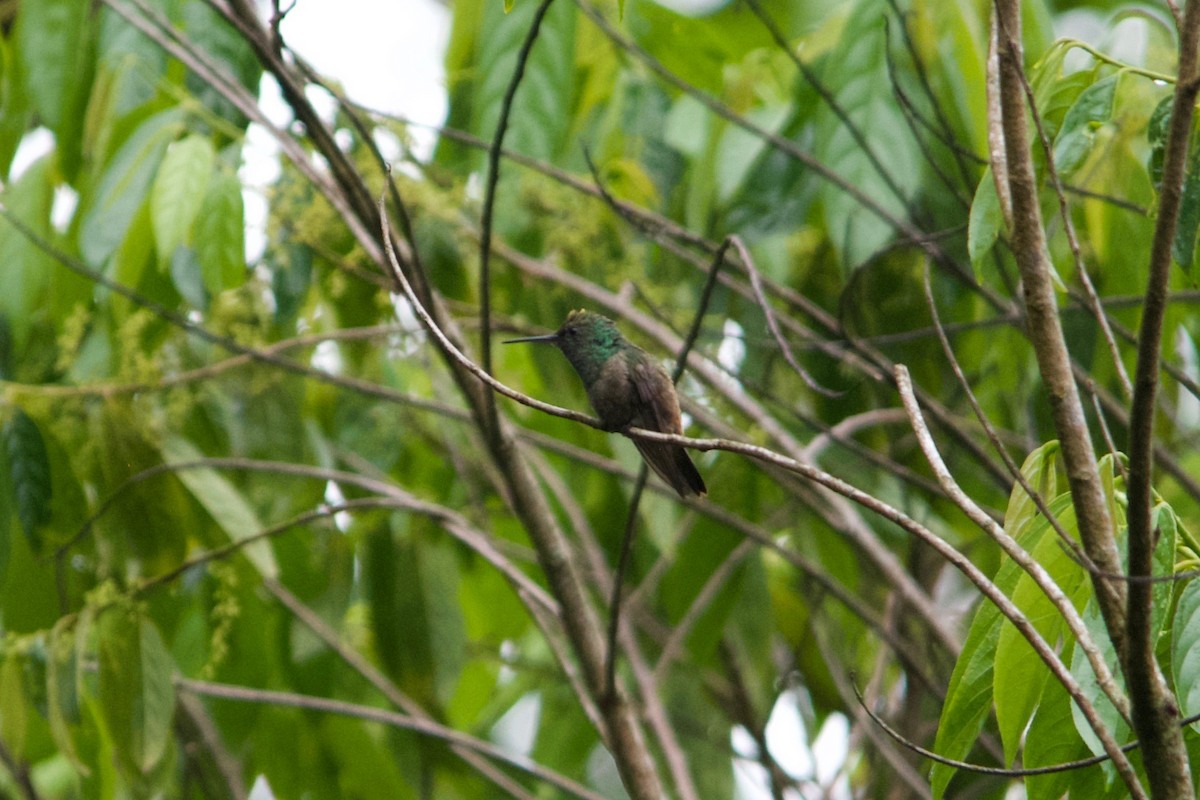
538,122
7,518
28,599
219,239
696,559
179,191
51,41
857,73
185,274
14,707
1093,108
207,30
986,219
1118,239
135,690
409,581
124,185
26,277
156,695
368,768
1156,135
1183,248
1055,93
969,696
739,149
1051,740
1021,675
224,502
687,127
129,67
1185,650
62,695
29,473
1040,471
1046,75
15,108
1082,670
1165,524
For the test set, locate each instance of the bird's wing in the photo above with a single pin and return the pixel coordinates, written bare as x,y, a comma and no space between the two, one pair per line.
656,395
658,409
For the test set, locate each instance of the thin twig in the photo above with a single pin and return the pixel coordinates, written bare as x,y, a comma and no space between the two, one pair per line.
902,226
917,783
773,326
20,773
827,96
614,600
838,512
967,766
990,431
1175,13
945,130
623,731
708,592
1043,579
913,119
1092,302
357,662
489,202
424,727
390,494
640,484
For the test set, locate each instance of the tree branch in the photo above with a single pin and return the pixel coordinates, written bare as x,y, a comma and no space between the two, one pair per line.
1045,329
1155,709
424,727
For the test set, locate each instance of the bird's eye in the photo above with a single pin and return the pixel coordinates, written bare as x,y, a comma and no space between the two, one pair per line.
571,331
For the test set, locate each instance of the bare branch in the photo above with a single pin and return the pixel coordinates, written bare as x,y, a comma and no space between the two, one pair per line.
1155,709
386,687
424,727
1045,329
772,325
1009,545
489,201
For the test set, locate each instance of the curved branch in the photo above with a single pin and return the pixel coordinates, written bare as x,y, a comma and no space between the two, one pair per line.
424,727
1010,546
387,688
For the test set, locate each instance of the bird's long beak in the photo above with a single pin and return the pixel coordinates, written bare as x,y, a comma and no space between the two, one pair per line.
549,337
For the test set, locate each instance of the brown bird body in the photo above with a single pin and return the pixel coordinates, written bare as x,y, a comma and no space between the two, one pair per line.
627,388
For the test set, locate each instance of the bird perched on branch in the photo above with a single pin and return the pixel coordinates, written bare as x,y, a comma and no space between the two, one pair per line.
627,389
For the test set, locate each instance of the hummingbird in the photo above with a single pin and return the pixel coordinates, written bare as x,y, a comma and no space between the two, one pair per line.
627,388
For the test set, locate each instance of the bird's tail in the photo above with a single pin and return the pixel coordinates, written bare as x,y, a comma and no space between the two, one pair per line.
671,463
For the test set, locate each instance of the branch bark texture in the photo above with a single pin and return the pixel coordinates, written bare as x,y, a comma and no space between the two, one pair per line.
1045,329
1127,613
1155,710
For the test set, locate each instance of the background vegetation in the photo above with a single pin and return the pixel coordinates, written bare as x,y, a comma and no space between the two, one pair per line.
263,524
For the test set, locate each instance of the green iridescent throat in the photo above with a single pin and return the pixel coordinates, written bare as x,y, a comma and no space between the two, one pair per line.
589,341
